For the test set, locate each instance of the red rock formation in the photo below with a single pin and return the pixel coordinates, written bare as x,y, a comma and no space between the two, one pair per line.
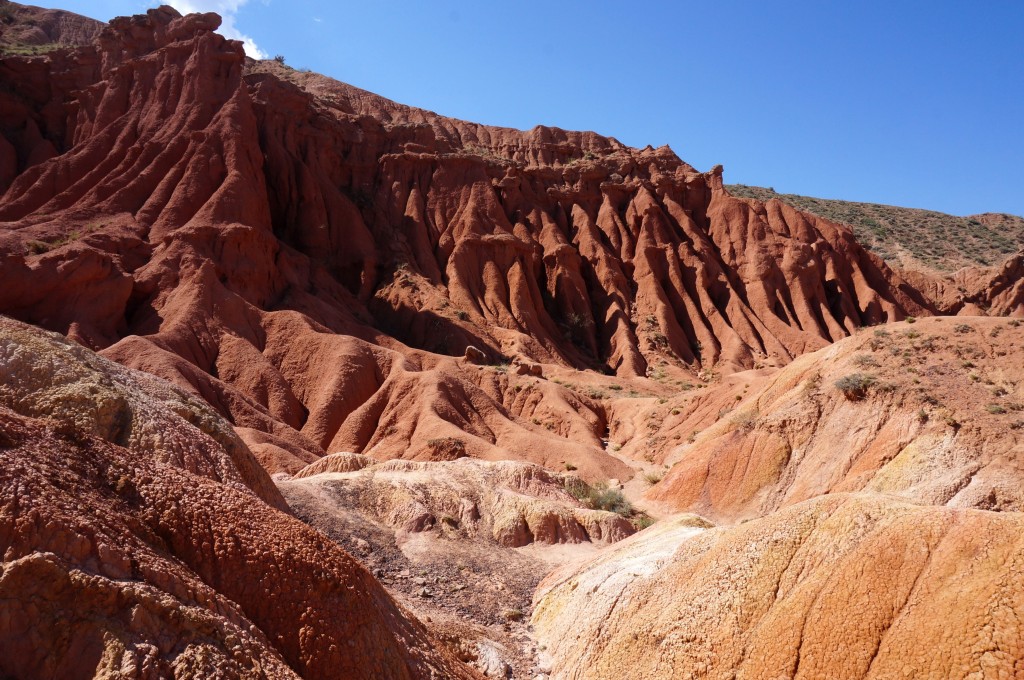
43,375
998,291
150,559
205,223
313,261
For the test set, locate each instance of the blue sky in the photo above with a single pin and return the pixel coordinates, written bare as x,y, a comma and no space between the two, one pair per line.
918,104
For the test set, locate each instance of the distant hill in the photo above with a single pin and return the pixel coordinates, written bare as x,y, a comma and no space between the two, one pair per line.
28,31
909,237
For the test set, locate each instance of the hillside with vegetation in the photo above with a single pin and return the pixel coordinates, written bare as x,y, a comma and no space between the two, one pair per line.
909,237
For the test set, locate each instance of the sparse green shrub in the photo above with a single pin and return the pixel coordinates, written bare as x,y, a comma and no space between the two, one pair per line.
611,500
642,521
579,326
855,386
570,467
911,319
654,477
812,383
963,328
995,409
865,360
598,496
446,448
745,420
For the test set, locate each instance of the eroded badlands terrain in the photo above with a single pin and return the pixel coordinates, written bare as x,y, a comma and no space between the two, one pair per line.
296,381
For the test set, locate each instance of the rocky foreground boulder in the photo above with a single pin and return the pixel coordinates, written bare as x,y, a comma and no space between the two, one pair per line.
136,544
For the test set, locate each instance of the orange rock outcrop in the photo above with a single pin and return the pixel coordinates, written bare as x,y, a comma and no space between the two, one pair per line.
936,415
841,586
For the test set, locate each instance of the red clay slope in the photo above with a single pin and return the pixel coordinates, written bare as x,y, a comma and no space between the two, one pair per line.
134,543
303,254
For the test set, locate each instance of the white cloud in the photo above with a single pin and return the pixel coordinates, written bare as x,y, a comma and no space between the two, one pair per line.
228,10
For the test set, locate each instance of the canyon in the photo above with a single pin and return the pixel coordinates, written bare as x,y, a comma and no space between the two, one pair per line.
296,381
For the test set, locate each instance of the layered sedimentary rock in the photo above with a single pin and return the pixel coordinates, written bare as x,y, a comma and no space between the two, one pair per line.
331,271
931,411
843,586
135,542
44,375
199,217
505,502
